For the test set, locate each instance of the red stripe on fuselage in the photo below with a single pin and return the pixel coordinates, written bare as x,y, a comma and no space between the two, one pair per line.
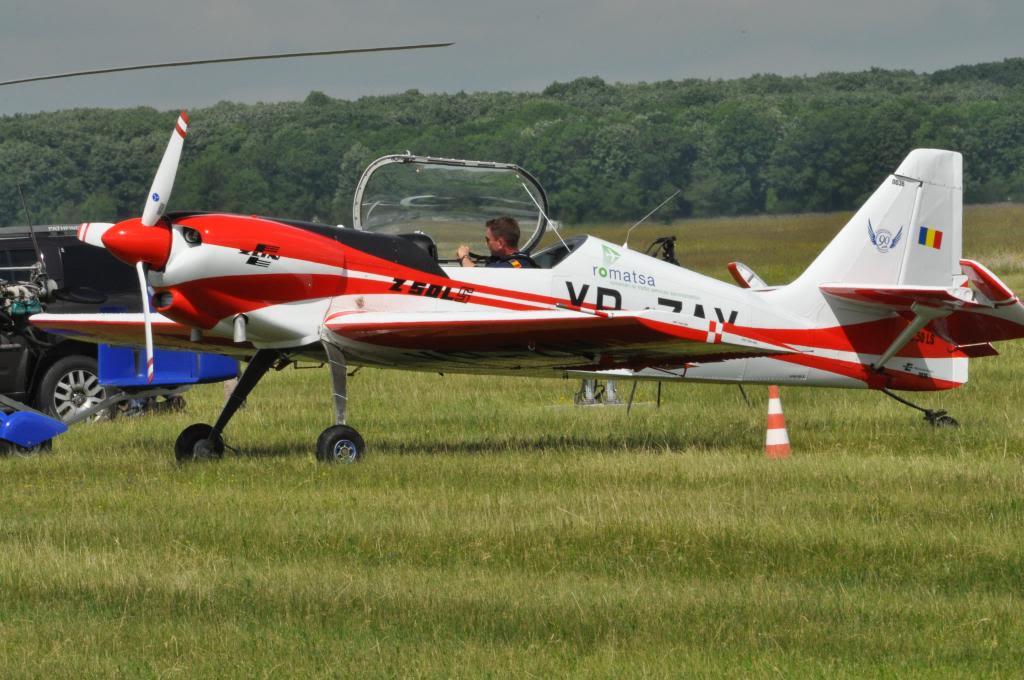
872,378
210,300
870,337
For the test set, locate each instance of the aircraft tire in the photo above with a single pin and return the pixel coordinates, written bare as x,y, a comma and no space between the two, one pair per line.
340,444
195,443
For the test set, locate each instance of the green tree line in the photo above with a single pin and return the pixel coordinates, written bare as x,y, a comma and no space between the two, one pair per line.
603,151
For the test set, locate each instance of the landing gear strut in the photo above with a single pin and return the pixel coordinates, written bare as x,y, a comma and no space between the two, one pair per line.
935,418
339,443
203,442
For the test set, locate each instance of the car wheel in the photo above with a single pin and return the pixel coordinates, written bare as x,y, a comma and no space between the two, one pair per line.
70,387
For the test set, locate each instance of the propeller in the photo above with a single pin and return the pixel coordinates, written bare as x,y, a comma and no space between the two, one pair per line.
144,243
156,203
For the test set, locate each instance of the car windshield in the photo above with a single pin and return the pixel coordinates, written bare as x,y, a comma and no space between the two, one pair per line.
448,200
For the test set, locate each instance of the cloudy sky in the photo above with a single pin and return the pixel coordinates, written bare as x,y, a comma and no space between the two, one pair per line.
522,45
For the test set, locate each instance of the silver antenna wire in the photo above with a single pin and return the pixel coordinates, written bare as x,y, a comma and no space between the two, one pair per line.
625,243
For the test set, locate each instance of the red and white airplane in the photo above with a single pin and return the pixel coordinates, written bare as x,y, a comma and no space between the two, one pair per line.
888,304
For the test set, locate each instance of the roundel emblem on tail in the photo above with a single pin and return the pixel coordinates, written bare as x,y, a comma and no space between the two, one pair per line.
882,239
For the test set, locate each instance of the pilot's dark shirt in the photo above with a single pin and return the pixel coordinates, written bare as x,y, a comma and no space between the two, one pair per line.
516,260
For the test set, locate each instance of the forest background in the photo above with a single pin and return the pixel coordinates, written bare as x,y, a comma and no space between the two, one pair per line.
604,152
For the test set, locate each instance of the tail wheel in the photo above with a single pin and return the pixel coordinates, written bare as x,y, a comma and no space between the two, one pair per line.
941,419
340,444
198,442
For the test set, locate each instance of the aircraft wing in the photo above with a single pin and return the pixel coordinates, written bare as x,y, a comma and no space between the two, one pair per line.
474,340
127,329
542,339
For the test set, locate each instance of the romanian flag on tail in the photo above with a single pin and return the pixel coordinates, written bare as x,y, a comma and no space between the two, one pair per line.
930,237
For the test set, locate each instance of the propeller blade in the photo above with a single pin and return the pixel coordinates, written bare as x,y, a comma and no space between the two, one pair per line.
92,232
140,267
160,192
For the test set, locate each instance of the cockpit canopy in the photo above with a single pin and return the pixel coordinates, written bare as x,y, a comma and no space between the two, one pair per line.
449,200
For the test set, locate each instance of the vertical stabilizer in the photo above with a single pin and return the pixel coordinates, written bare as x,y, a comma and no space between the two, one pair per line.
909,232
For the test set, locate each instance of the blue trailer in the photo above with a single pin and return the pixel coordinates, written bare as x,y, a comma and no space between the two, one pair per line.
124,369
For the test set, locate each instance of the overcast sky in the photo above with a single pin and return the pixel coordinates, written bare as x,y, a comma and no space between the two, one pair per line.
523,45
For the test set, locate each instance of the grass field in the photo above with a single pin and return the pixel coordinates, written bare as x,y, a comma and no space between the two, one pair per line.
494,530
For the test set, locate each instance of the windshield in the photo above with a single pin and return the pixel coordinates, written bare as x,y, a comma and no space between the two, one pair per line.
449,200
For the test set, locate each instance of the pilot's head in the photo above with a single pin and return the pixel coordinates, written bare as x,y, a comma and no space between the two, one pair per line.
502,235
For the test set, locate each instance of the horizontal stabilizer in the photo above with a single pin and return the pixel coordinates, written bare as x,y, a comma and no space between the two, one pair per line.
987,283
985,290
746,277
902,298
985,312
982,349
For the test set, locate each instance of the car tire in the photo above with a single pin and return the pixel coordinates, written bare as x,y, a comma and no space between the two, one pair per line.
71,385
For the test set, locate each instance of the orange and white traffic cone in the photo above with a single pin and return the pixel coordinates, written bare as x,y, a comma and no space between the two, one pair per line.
776,443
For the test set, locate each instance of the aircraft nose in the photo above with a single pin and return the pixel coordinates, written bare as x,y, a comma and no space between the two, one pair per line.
132,242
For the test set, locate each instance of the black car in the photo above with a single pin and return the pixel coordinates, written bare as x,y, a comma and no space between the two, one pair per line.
55,374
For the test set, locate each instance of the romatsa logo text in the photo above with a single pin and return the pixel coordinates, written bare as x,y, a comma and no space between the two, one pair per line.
631,276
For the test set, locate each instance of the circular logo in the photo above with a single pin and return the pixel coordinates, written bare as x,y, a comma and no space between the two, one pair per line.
883,240
155,197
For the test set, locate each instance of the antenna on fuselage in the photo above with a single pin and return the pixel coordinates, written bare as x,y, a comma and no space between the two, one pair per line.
554,225
625,243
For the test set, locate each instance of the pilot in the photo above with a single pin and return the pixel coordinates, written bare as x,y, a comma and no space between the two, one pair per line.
502,238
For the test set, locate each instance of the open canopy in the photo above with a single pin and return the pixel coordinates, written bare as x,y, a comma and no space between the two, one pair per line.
448,199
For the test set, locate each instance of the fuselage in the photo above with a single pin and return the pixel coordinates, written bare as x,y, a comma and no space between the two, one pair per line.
289,279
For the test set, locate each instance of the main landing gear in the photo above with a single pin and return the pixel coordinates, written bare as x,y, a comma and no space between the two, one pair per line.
337,444
937,418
